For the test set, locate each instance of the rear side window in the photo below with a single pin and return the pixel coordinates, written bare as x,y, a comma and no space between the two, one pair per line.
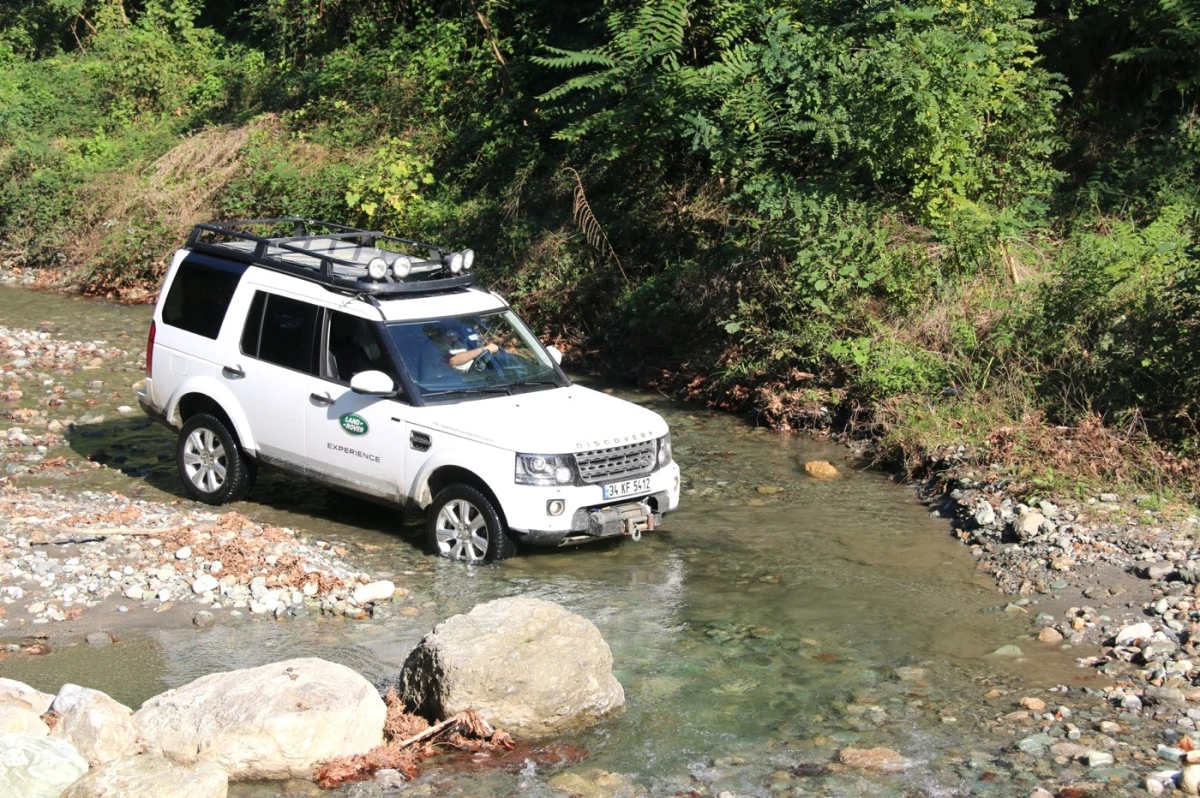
282,331
200,295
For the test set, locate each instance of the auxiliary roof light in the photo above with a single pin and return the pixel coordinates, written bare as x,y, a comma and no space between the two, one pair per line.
468,259
377,268
401,266
456,263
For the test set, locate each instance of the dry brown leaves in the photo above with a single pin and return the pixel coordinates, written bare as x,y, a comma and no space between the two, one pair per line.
120,517
400,724
470,733
1093,450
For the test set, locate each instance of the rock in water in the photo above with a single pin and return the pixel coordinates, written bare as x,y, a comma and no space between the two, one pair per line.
100,728
149,776
35,766
882,759
527,665
1050,635
595,783
1008,651
819,469
276,721
376,591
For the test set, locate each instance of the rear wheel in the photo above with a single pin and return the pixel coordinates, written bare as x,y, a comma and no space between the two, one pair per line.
464,525
211,463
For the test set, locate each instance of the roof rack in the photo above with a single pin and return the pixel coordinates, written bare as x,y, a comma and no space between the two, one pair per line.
336,256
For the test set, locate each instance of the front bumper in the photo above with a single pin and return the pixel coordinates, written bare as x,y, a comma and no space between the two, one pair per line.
587,516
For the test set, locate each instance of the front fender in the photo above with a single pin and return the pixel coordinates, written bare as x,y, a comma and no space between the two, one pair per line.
487,463
214,390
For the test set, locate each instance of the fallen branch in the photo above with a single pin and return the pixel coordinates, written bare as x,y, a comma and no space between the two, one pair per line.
432,731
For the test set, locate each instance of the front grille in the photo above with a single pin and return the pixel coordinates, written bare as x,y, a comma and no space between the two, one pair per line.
619,462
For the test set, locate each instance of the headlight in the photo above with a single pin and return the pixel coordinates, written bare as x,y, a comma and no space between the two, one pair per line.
545,469
664,450
455,263
468,259
401,267
376,268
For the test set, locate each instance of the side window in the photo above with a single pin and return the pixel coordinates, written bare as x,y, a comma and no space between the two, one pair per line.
352,347
281,330
200,295
253,329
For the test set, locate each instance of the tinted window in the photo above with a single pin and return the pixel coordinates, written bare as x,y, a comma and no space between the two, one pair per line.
353,347
253,328
200,295
288,333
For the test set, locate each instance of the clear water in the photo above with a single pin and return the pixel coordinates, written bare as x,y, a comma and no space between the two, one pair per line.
767,626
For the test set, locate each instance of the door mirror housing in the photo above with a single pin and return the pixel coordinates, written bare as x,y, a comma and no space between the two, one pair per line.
373,383
555,354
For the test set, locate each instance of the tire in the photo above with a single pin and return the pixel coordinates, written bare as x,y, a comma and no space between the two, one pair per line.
463,525
211,462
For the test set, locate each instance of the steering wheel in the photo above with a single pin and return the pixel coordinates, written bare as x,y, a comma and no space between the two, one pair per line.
482,360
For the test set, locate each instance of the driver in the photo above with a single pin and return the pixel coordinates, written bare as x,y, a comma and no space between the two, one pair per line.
450,345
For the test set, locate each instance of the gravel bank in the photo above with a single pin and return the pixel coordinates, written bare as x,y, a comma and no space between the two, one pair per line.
1106,573
61,556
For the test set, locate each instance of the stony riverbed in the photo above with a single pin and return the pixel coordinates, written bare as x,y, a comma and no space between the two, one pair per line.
1100,591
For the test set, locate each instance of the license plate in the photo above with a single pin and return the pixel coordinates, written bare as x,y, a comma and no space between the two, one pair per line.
629,487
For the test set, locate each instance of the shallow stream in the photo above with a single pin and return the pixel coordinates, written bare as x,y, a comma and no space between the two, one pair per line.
775,620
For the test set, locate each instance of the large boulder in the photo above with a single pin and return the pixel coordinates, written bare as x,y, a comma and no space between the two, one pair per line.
98,726
37,766
276,721
527,665
20,694
19,720
148,776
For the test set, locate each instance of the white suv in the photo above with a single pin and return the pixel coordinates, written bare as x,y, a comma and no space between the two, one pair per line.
376,366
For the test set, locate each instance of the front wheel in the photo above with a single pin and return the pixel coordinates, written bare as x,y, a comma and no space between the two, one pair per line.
211,462
464,525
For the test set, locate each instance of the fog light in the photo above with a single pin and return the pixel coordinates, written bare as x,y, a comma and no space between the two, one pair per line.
377,268
555,507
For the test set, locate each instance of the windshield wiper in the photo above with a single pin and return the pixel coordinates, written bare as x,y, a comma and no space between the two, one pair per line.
477,389
534,383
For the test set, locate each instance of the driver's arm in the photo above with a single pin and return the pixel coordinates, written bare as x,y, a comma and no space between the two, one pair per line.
466,356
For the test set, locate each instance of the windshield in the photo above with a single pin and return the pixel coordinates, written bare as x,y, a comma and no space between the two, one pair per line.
477,353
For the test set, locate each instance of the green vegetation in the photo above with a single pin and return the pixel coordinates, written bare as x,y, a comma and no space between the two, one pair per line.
934,223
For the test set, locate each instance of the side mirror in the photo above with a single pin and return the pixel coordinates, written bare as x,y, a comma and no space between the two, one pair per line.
555,354
373,383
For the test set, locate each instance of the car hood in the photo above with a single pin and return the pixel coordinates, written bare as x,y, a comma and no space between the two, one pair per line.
556,421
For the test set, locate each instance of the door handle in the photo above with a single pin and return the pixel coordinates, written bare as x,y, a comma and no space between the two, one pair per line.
233,372
322,399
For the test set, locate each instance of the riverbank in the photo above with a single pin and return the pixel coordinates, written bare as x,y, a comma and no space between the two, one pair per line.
1096,696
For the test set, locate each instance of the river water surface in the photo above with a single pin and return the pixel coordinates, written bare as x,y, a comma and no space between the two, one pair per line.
775,619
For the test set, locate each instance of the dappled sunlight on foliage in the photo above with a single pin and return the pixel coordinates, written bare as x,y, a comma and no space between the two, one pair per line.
891,219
